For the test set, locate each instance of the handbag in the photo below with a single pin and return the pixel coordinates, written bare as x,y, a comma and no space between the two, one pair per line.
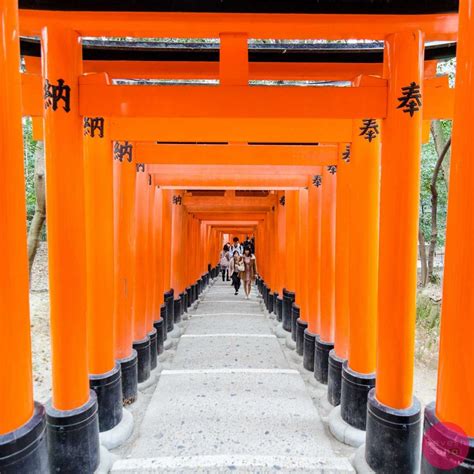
240,267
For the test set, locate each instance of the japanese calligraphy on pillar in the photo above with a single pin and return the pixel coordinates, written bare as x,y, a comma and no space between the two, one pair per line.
369,129
332,169
317,180
178,200
282,200
94,127
410,100
122,150
140,167
346,154
53,94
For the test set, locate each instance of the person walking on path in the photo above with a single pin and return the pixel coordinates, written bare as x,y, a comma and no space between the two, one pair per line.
225,262
236,247
235,267
250,271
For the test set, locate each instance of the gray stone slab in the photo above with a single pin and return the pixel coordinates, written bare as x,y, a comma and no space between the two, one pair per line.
219,307
229,352
194,414
228,323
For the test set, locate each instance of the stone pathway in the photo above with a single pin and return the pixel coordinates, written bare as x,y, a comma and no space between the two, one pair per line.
229,401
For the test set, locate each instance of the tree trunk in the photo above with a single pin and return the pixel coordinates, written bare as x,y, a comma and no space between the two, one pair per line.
440,139
424,268
434,208
39,217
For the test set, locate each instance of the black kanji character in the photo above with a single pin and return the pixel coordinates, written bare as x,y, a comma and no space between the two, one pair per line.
54,93
317,180
410,100
93,124
282,200
122,150
369,129
177,200
346,154
332,169
140,167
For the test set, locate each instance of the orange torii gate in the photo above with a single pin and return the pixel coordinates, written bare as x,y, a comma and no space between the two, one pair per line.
234,112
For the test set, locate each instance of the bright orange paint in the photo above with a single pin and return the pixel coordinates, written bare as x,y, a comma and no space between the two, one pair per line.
455,403
328,255
16,396
124,254
314,243
343,246
303,255
364,250
66,224
140,321
291,208
210,25
99,250
399,201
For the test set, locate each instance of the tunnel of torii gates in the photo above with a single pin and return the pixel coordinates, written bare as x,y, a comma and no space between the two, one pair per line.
143,183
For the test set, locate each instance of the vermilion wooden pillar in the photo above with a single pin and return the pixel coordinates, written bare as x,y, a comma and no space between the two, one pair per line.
303,271
325,339
105,375
455,391
291,213
168,296
314,283
124,169
177,225
72,401
21,420
151,270
141,339
358,375
392,404
281,255
343,242
159,322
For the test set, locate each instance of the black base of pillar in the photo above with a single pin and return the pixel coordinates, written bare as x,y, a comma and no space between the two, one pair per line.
188,297
274,302
108,389
177,310
300,329
143,352
334,378
73,438
288,300
295,314
160,339
129,372
321,359
163,318
444,450
354,391
153,349
183,306
25,450
169,302
309,342
279,309
194,292
393,437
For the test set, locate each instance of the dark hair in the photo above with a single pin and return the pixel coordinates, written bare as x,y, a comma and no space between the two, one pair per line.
249,249
235,239
226,248
236,252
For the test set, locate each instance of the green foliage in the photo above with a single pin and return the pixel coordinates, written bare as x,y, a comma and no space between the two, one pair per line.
429,158
29,147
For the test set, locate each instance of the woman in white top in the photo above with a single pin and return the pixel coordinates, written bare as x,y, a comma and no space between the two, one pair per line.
224,262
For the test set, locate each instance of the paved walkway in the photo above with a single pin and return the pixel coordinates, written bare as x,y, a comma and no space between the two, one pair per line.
229,401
